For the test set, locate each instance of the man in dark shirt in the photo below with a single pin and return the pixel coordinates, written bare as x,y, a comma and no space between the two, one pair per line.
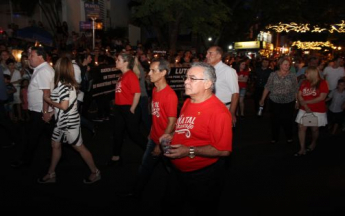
262,74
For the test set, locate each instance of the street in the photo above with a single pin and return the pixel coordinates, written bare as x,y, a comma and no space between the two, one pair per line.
263,178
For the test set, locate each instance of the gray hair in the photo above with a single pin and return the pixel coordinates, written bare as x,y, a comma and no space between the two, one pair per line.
163,65
209,72
128,58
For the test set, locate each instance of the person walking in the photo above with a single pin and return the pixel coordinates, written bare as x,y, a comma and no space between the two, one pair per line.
262,73
164,113
281,88
67,128
311,96
201,141
41,84
126,110
226,87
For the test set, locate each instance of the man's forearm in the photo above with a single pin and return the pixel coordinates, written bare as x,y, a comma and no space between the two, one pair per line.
46,93
234,102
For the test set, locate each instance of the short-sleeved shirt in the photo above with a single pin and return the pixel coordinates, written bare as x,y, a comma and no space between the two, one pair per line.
163,105
42,78
201,124
333,75
245,74
309,93
227,82
282,89
338,99
126,87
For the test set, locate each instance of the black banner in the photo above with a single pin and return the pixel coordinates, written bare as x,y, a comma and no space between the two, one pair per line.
175,78
104,81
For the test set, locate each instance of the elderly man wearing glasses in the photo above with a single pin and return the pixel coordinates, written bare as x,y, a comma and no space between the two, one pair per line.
202,139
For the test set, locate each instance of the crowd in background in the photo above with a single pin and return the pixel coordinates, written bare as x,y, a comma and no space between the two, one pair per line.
107,50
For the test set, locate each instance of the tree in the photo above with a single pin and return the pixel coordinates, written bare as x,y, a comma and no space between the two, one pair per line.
169,18
50,8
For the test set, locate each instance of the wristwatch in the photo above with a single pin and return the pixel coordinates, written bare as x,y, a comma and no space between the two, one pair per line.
191,152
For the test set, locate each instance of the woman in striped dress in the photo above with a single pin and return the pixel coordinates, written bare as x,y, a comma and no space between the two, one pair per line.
67,129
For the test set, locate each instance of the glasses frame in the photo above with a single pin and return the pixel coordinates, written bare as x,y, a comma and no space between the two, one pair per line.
191,79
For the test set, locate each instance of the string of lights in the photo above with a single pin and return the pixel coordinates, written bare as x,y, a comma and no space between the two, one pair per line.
312,45
281,27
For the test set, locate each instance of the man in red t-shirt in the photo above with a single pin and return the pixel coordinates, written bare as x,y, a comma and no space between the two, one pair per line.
164,113
202,139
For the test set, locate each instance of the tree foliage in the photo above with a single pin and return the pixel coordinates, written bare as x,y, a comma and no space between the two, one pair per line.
169,18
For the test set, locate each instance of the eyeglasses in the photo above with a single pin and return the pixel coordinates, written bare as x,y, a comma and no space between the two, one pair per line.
191,79
155,70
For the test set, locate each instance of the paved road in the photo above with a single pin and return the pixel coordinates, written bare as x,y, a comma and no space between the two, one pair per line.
264,178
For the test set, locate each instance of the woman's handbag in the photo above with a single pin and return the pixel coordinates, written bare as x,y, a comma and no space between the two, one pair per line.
309,119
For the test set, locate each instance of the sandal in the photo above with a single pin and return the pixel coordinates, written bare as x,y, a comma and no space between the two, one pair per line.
48,178
299,154
97,177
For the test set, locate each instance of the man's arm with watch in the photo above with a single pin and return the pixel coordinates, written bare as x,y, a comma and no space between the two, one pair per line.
46,116
180,151
206,151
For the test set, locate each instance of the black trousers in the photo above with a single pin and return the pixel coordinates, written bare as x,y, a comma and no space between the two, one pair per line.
125,121
36,129
195,193
7,131
257,97
282,116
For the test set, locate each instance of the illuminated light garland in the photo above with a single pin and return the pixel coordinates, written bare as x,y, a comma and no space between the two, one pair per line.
340,28
318,29
289,27
312,45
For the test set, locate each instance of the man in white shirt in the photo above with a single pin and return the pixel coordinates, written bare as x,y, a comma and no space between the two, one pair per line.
227,89
41,84
333,73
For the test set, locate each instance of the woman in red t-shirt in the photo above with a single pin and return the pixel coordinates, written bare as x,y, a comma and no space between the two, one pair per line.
126,109
311,96
243,74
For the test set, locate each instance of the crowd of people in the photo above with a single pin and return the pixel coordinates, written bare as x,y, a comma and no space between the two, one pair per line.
199,134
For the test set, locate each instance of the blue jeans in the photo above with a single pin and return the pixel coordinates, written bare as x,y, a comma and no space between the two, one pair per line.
148,164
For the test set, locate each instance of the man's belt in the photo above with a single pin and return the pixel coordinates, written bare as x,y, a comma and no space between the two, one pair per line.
228,103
